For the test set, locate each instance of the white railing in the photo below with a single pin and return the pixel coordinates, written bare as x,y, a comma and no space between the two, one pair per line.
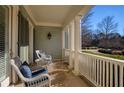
68,56
102,71
66,53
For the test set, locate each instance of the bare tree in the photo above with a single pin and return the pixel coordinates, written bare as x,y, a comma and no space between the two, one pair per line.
86,33
122,39
106,28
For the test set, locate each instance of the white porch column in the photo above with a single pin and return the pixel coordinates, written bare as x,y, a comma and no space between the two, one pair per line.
77,42
30,42
14,51
63,43
71,44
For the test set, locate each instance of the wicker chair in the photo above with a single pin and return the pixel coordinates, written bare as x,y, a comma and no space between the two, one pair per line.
42,80
46,59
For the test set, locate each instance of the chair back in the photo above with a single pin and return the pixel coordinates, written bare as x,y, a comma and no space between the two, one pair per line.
38,54
16,63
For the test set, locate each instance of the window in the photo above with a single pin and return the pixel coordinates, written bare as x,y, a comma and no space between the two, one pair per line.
3,41
66,39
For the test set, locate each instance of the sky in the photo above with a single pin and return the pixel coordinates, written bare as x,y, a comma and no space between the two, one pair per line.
101,11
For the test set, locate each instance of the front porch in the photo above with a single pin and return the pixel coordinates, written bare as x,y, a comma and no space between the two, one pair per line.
56,30
64,29
61,76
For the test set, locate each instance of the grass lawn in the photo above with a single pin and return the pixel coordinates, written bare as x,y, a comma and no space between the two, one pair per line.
120,57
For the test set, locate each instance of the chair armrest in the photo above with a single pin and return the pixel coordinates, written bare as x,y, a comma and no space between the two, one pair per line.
37,78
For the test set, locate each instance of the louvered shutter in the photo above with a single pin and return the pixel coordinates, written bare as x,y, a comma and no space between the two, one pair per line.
23,28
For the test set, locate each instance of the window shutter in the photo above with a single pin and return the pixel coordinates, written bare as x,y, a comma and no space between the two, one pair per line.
23,31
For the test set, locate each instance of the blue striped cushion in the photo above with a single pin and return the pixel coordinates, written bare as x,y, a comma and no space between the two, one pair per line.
26,71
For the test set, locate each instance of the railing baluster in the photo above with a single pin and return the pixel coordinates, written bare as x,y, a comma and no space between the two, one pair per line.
83,62
97,72
107,74
85,66
82,65
111,74
121,76
90,68
104,74
93,70
100,73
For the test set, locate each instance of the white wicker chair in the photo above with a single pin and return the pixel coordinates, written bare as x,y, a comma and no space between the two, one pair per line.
46,59
42,80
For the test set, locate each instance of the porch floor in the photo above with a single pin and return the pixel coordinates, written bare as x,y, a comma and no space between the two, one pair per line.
63,77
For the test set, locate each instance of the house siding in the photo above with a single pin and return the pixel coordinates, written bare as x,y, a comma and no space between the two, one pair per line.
52,46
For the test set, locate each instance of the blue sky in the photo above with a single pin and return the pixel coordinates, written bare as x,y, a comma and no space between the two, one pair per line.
101,11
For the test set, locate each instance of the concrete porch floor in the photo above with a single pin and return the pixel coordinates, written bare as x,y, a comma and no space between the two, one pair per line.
63,77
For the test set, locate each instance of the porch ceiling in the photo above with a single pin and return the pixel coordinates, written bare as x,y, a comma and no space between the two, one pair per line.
53,15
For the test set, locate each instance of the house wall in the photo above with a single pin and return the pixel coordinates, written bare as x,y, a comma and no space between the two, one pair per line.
52,46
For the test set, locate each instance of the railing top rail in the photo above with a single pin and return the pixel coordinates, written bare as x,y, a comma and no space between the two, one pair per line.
103,58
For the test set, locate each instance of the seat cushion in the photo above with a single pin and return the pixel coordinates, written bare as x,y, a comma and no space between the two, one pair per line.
26,71
42,71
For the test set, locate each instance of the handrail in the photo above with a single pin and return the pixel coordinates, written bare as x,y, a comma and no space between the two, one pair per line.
112,59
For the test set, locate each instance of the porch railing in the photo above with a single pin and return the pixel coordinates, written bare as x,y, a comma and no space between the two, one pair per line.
66,53
102,71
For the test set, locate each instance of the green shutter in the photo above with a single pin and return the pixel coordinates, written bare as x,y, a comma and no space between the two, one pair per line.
23,31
